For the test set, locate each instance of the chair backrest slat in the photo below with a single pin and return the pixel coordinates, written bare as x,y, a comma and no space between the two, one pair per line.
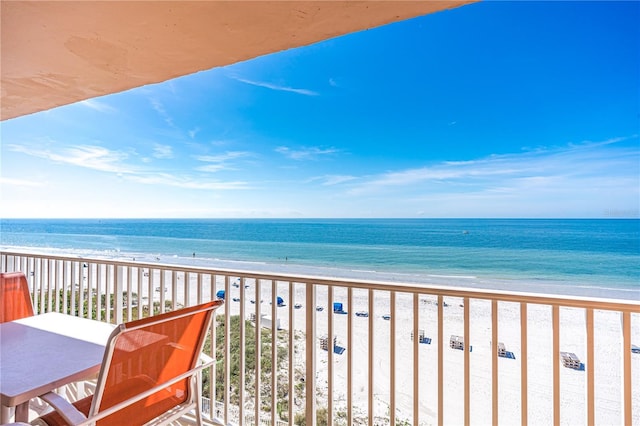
15,300
146,353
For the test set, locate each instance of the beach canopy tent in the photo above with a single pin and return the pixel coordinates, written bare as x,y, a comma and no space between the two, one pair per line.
56,53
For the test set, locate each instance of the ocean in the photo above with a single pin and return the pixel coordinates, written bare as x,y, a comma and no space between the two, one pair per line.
599,257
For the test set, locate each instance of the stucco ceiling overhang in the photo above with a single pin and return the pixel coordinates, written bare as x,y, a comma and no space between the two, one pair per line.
55,53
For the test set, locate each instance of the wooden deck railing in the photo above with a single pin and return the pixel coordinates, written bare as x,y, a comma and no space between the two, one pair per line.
378,372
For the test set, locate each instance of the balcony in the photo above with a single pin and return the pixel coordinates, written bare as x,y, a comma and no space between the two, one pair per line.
334,351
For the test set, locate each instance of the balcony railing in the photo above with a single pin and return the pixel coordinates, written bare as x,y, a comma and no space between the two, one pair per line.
335,351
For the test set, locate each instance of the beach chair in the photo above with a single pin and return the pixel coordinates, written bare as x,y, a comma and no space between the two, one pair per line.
502,351
149,374
570,360
422,337
456,342
15,300
324,342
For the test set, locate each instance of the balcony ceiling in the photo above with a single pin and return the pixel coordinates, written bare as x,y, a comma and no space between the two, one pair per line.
55,53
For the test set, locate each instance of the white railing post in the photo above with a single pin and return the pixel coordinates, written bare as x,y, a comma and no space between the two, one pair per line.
65,282
162,289
91,270
37,272
81,287
109,288
74,285
49,279
119,289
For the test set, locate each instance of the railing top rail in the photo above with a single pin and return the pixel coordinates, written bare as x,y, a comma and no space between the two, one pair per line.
421,288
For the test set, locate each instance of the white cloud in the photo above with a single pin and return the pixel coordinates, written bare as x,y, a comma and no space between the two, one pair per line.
276,87
193,132
187,182
163,151
87,156
330,180
581,169
104,160
305,153
220,162
159,108
212,168
221,158
20,182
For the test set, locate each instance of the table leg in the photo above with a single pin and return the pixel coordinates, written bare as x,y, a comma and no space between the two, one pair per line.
5,414
22,412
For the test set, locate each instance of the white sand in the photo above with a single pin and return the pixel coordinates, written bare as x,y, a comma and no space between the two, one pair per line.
572,339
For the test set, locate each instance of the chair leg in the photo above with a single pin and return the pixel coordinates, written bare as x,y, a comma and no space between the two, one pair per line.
196,383
22,412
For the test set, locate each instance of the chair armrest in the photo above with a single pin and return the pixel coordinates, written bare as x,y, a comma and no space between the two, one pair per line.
64,408
204,358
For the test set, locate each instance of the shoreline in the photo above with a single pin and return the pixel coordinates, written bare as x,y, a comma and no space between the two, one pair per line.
570,288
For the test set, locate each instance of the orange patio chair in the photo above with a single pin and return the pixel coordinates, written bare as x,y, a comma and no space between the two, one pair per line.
15,300
149,373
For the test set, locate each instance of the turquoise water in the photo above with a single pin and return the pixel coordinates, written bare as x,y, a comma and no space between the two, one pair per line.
588,257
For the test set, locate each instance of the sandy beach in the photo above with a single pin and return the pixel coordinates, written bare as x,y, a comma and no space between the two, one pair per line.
572,339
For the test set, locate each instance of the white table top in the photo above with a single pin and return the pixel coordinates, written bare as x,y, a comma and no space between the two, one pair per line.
41,353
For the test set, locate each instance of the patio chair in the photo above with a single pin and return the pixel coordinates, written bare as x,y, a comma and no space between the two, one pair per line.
149,373
15,300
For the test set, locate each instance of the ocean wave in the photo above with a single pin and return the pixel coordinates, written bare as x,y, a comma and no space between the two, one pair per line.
464,277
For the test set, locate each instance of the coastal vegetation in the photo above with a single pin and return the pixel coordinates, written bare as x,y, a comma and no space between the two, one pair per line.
72,303
266,367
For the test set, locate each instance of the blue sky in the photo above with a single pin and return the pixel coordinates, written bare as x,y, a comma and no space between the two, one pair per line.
495,109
